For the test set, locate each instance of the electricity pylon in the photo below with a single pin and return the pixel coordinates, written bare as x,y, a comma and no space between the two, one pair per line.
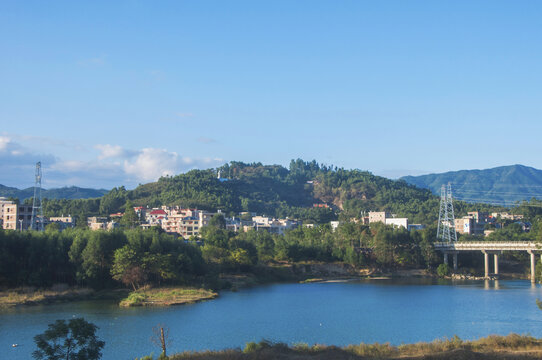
446,221
37,211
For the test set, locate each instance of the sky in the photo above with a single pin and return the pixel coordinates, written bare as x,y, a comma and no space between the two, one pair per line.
111,93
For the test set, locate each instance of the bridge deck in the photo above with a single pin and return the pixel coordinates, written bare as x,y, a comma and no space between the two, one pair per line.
488,248
482,245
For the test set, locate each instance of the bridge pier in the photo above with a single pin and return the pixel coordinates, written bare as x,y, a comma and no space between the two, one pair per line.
486,264
495,262
533,265
491,248
454,258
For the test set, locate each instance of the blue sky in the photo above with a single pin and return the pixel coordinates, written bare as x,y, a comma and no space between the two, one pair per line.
109,93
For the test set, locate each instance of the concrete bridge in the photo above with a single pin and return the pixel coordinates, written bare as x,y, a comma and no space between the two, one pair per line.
490,248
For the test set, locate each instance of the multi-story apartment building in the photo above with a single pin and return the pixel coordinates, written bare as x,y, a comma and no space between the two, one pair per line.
3,201
17,217
506,216
479,216
274,226
464,225
100,223
386,218
63,222
185,222
469,225
155,217
378,216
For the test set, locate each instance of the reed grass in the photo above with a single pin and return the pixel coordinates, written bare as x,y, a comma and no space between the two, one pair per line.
509,347
167,296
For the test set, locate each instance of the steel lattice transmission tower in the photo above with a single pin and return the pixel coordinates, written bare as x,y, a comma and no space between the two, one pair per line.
37,211
446,221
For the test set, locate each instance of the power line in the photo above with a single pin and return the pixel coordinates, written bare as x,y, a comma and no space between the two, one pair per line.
496,185
496,192
502,203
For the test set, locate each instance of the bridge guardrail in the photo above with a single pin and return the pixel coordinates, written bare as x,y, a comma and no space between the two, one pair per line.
493,245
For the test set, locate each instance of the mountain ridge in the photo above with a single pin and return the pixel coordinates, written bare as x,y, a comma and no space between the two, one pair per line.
502,185
67,192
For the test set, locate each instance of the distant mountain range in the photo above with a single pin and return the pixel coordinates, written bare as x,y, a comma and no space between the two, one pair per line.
502,185
72,192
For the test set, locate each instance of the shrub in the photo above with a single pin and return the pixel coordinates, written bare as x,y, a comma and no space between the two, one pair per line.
443,270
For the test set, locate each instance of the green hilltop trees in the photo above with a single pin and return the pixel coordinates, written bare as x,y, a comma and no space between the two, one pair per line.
267,189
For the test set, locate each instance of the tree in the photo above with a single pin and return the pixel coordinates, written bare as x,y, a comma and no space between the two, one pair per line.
73,340
161,338
126,267
129,219
218,221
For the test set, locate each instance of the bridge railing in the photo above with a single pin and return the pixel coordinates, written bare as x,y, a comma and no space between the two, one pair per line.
490,245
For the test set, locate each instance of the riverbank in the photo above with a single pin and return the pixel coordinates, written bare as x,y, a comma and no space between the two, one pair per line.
512,346
274,272
311,271
29,296
167,296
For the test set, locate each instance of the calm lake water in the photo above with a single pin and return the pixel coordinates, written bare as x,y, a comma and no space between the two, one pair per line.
326,313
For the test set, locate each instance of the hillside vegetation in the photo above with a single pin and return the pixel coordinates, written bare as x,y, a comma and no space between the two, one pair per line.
268,189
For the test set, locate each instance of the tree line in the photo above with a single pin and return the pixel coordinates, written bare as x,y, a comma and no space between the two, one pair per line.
135,257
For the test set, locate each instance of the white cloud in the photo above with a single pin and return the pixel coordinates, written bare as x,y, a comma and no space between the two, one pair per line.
112,166
17,163
13,153
151,163
113,151
4,142
8,146
94,174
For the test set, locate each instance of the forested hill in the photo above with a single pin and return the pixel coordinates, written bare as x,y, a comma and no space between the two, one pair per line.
72,192
500,186
272,190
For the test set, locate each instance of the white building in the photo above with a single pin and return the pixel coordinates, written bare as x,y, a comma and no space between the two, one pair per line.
397,222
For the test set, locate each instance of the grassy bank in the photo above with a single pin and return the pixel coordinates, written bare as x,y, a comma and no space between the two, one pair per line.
512,346
167,296
25,296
